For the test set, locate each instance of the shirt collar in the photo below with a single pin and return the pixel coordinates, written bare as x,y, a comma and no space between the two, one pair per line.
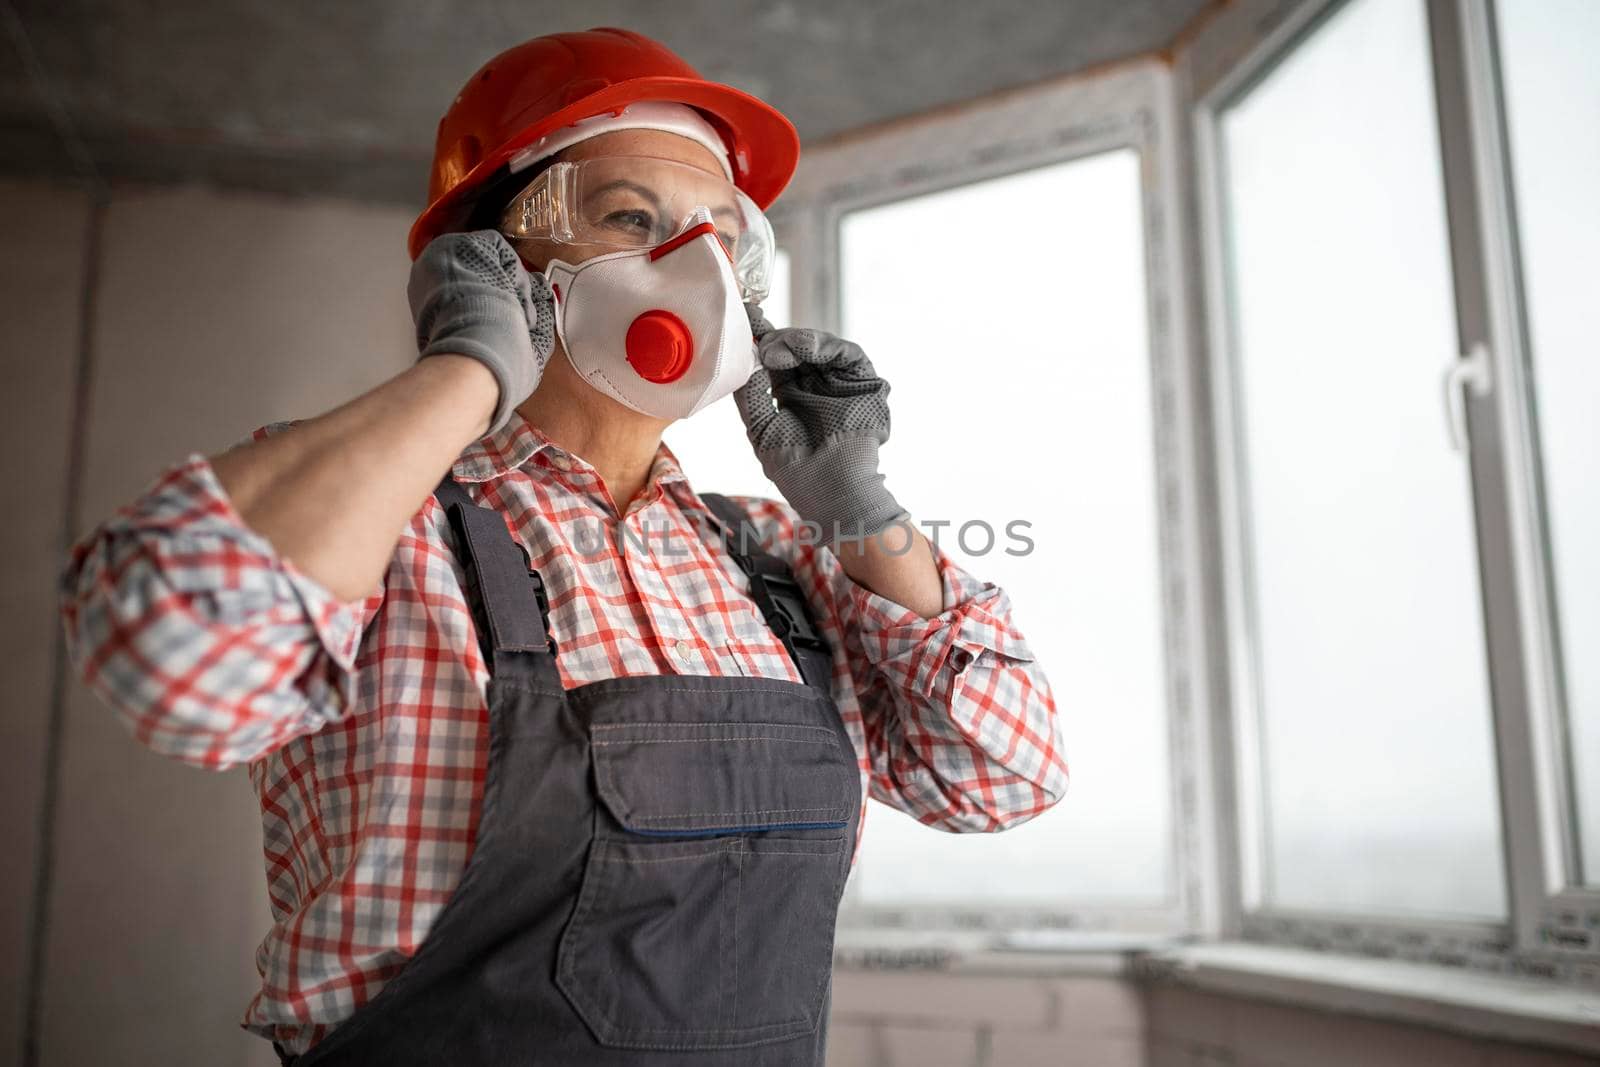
518,441
500,452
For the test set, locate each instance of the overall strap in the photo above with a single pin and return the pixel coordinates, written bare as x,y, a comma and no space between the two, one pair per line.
776,593
506,594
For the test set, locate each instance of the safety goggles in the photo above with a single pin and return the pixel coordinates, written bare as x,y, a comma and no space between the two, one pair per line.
629,202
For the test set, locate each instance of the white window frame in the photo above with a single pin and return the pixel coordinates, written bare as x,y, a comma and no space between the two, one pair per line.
1538,779
1130,105
1545,935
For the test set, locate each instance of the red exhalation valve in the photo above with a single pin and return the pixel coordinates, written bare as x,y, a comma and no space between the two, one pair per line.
660,346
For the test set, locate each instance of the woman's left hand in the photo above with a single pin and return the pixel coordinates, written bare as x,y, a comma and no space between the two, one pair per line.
816,412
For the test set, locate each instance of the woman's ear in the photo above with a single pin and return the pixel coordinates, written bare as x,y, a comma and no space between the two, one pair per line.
535,255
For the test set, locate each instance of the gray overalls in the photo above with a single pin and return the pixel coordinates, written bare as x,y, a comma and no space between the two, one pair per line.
658,863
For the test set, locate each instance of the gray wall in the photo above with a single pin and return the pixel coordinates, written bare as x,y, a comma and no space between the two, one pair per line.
1192,1028
206,315
998,1019
41,278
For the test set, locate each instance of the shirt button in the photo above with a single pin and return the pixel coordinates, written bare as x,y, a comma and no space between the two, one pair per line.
684,650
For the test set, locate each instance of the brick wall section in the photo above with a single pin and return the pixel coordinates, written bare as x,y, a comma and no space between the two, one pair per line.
932,1019
1189,1028
889,1019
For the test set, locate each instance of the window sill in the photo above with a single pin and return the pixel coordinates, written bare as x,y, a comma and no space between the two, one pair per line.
1506,1008
1043,953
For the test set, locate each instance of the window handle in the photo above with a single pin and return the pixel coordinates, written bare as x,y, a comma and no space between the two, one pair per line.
1471,371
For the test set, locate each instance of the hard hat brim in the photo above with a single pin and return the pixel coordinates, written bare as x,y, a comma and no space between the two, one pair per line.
762,144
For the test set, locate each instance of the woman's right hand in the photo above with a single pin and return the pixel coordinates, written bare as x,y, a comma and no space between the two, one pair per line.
470,295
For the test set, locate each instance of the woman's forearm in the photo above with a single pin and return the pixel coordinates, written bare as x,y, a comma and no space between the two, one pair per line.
334,493
887,565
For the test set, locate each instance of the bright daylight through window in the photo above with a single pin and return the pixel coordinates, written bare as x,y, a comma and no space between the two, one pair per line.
1372,766
1552,90
1044,355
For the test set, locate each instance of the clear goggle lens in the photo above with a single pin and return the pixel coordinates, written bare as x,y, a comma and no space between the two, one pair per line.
626,202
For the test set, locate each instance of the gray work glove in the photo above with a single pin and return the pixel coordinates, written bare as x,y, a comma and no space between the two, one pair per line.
470,295
816,413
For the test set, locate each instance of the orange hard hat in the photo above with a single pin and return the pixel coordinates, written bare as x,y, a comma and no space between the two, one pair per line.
550,82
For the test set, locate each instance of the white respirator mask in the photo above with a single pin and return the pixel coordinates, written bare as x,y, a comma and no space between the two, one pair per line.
661,329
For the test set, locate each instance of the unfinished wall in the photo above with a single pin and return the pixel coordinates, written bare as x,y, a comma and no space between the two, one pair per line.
889,1019
204,315
893,1019
1190,1028
41,283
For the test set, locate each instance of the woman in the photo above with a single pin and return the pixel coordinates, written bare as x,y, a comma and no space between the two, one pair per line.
560,761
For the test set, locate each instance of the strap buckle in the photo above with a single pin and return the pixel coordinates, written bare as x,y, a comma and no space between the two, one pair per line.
542,596
778,596
786,610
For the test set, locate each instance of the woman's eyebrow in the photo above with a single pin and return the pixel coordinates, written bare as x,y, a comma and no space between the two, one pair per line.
724,211
624,183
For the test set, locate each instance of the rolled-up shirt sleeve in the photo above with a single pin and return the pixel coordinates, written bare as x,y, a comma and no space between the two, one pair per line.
210,646
958,719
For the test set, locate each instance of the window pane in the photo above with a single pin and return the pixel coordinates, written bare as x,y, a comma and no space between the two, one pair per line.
1021,390
1375,737
1552,94
712,446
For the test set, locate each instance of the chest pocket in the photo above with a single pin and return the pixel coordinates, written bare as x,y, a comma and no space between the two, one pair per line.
710,893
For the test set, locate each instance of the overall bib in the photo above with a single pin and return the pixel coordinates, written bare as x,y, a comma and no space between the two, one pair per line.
658,861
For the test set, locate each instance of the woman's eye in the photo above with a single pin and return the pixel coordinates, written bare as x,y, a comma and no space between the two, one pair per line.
641,223
729,241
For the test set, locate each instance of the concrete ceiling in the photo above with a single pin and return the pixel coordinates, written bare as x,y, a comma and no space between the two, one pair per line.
343,98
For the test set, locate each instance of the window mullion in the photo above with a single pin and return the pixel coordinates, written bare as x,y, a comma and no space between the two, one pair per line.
1536,767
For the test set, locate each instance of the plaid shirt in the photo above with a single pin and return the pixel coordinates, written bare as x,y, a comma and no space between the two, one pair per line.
365,723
